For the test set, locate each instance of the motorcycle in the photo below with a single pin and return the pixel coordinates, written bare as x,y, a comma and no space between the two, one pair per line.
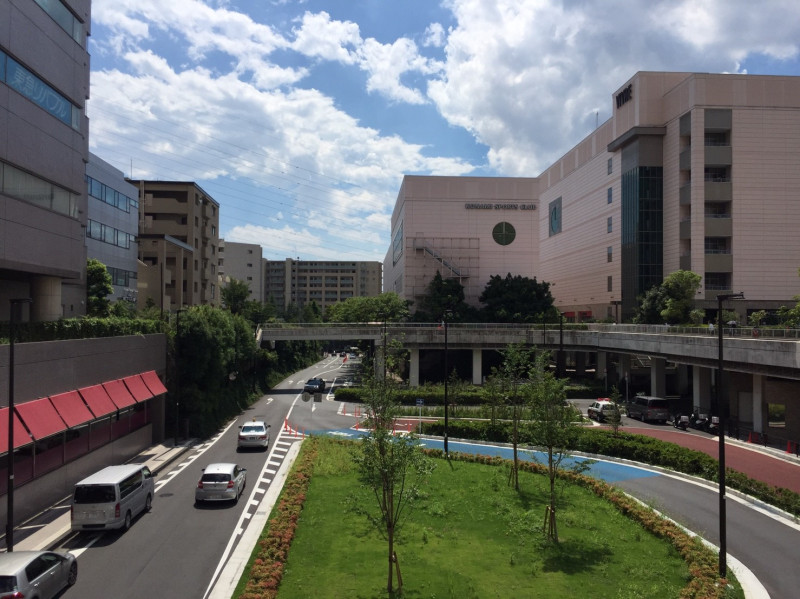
699,421
713,425
680,421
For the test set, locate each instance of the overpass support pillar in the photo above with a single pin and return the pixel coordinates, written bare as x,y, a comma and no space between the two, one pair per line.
477,366
413,368
601,372
658,384
701,388
580,363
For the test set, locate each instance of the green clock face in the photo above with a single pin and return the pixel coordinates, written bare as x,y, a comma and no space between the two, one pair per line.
555,216
504,233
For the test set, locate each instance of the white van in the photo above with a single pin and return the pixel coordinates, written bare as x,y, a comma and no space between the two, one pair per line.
112,498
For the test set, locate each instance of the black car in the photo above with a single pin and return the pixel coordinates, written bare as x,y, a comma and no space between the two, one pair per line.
315,385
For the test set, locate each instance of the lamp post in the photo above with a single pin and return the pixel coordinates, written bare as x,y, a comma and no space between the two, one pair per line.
722,411
447,313
10,455
177,371
560,365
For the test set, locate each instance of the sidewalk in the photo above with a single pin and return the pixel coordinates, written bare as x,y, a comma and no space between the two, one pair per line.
46,530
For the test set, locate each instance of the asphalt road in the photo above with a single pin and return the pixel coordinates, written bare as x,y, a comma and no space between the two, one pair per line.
177,548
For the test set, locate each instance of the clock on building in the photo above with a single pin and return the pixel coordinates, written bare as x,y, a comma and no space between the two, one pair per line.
504,233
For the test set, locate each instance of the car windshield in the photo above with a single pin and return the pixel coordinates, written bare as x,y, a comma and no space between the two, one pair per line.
216,477
253,428
94,494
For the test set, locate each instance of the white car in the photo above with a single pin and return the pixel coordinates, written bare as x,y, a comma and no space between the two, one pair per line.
253,434
221,482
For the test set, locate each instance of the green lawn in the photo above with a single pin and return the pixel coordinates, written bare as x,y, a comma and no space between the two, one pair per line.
473,536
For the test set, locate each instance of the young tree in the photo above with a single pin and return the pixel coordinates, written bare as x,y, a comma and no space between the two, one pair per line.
614,419
98,288
390,467
552,427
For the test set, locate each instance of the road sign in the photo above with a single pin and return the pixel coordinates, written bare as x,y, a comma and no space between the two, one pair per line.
306,396
420,401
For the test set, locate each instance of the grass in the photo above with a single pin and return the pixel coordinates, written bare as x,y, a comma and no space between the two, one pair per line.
472,536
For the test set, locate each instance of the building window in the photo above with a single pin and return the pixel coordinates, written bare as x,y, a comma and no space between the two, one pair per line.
610,163
609,283
609,195
610,224
609,254
504,233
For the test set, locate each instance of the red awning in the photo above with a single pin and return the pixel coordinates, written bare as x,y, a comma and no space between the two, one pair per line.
136,386
21,436
71,408
98,400
153,383
40,417
119,393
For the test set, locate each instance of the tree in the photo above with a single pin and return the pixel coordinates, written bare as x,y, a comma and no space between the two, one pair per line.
442,296
235,295
387,306
515,299
670,302
614,418
512,376
552,427
390,467
98,288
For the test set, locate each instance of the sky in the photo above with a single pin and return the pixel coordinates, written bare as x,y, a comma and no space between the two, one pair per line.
301,117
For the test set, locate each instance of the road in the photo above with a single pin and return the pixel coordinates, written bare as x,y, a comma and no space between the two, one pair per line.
178,548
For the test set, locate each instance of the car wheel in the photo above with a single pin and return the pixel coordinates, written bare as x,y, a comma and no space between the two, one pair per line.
148,503
127,523
72,577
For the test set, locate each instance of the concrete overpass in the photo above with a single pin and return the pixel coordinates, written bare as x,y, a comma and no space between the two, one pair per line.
762,367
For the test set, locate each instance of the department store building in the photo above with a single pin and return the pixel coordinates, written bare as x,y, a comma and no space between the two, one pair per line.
693,171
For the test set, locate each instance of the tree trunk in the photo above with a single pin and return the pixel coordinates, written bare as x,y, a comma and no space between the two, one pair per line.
391,559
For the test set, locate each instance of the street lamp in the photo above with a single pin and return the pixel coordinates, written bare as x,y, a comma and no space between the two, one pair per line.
445,316
560,362
10,455
721,410
177,371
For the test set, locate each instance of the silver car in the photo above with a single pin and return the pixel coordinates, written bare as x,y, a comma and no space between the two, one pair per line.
253,434
221,482
41,574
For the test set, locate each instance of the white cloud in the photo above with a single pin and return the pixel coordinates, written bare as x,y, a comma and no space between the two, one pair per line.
434,35
526,78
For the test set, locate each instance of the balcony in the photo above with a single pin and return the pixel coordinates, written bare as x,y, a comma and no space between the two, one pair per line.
718,226
718,191
686,262
719,263
685,194
718,155
685,159
685,229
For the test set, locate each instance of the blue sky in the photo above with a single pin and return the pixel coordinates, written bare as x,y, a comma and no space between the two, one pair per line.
300,117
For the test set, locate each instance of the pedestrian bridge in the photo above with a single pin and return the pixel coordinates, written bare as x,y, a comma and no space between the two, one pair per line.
769,352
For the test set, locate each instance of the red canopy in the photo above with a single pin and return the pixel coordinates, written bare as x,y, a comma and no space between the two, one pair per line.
40,417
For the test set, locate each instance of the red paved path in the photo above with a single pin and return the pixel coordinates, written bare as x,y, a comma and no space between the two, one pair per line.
757,465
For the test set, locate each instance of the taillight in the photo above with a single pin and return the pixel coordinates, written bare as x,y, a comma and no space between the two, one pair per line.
116,511
15,595
263,437
230,484
199,484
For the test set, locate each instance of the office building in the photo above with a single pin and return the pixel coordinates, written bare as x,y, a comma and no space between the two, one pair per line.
693,171
43,154
113,225
300,282
178,245
243,262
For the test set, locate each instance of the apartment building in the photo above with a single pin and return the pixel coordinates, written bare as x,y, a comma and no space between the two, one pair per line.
178,244
301,282
243,262
43,154
693,171
113,225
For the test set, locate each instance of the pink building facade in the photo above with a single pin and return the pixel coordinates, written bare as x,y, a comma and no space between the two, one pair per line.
693,171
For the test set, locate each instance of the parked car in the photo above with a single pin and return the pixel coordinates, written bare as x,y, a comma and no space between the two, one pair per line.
315,385
599,410
646,408
253,434
42,574
221,482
